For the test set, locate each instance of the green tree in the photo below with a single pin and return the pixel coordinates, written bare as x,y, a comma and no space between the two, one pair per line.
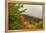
14,13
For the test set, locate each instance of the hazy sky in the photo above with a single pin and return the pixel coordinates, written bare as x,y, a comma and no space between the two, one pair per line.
33,10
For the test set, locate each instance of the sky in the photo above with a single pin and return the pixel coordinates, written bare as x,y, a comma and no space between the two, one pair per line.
33,10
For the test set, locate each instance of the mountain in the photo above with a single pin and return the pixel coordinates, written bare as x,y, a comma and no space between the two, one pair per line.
32,18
